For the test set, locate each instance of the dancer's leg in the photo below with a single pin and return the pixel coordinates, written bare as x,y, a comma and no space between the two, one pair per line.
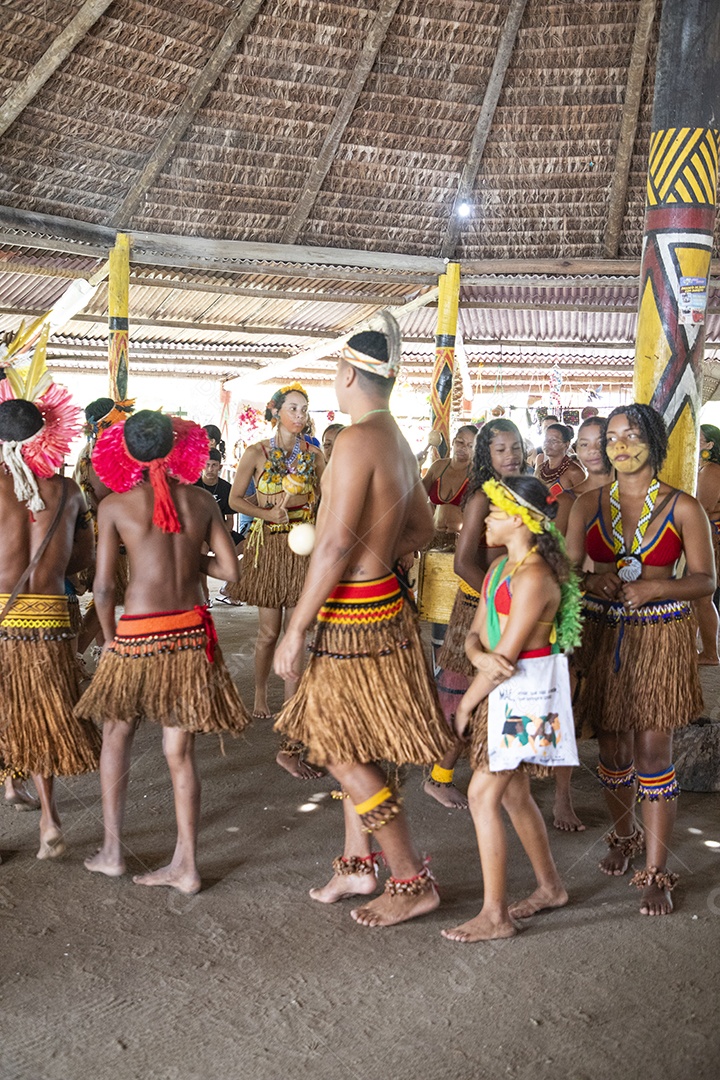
114,775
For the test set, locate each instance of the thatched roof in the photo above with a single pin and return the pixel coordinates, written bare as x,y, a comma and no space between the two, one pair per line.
347,132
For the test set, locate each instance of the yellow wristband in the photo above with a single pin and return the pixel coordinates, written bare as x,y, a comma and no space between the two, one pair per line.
442,776
373,801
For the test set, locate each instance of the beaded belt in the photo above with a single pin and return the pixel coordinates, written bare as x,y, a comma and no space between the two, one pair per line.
36,612
138,636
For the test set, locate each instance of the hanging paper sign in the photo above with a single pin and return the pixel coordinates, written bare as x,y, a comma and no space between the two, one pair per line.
692,301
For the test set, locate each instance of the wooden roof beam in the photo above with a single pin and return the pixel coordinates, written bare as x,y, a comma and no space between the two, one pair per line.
373,42
484,123
196,95
628,129
58,51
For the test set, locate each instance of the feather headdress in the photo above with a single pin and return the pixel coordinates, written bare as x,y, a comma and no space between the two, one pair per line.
41,454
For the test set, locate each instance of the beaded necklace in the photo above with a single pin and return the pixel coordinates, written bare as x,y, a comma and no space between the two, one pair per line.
630,565
550,475
291,458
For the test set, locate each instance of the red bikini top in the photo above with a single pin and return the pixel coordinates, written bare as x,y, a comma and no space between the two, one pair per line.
664,550
434,493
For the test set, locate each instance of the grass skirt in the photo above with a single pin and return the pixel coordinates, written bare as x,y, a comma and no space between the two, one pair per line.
478,751
367,693
715,534
637,670
38,689
277,579
452,655
158,668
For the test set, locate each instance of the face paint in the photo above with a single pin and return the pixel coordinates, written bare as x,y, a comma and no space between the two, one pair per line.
627,451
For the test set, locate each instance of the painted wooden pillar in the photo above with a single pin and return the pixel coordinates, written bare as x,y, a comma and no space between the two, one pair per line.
118,299
679,224
442,379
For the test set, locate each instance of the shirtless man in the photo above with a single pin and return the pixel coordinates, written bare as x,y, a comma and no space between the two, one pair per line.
38,733
367,693
161,660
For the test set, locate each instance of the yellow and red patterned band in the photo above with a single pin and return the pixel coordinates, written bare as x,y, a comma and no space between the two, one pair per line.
361,603
32,611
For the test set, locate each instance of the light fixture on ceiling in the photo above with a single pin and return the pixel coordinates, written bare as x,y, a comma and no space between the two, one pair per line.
464,210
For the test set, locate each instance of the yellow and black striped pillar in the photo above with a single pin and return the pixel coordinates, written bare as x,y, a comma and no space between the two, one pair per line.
118,326
442,379
679,224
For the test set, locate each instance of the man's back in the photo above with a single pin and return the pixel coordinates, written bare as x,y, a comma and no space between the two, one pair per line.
372,493
23,533
164,567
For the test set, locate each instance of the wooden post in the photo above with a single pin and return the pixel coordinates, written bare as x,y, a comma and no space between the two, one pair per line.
118,298
441,394
679,223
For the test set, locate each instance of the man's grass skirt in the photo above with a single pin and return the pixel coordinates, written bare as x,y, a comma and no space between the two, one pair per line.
452,654
367,693
38,688
637,670
165,667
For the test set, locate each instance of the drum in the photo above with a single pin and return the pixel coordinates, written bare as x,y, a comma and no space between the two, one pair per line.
437,585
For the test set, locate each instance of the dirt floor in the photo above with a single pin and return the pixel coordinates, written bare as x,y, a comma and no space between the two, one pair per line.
252,979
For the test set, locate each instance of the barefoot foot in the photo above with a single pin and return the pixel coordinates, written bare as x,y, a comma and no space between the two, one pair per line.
342,885
387,910
565,819
615,863
297,766
185,881
446,794
707,660
100,863
17,795
656,901
541,900
483,927
52,844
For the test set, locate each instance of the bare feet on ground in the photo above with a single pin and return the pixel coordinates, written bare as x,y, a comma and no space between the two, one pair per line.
52,844
564,817
185,881
484,927
297,767
342,885
18,795
101,863
387,910
615,863
446,794
708,660
541,900
656,901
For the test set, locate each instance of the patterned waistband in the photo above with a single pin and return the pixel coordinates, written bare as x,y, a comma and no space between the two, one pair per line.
615,613
165,631
467,590
362,602
36,612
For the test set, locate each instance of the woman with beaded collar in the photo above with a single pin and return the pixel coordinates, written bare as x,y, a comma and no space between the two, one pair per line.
637,664
558,470
286,470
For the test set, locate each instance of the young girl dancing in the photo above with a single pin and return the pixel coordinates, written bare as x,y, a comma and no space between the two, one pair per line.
529,607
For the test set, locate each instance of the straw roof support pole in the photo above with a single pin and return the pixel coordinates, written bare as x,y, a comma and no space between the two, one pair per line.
373,43
118,300
197,93
679,226
484,122
628,129
50,61
442,379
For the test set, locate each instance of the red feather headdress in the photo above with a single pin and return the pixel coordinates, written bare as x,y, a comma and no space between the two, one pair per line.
120,471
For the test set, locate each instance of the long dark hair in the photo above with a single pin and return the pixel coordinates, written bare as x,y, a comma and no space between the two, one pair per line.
549,544
213,432
481,469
